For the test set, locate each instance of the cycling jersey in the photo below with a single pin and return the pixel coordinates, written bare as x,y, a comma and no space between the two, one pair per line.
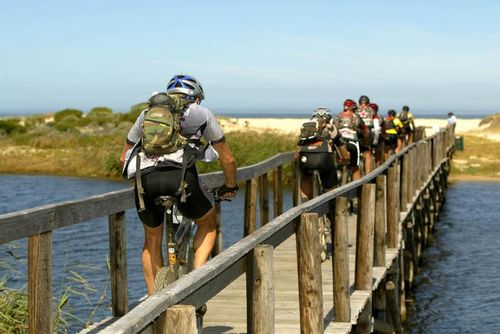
392,125
349,125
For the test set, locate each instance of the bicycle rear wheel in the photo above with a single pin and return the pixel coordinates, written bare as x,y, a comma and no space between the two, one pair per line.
164,277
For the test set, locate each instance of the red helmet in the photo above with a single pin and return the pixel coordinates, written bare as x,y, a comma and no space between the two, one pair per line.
374,106
349,104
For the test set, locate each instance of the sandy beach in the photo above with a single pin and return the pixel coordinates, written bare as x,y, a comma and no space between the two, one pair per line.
292,125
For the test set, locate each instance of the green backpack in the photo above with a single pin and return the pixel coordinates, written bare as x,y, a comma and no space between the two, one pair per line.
161,134
161,127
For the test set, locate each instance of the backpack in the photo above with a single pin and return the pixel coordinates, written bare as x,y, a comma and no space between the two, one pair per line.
403,116
161,126
348,126
161,134
311,131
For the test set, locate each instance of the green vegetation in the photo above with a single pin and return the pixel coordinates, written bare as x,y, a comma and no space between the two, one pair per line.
14,302
79,144
480,158
492,121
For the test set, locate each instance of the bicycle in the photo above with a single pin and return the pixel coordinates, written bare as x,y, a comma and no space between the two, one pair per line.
179,248
324,223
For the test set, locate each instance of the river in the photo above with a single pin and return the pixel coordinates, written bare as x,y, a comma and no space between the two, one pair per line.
456,292
80,251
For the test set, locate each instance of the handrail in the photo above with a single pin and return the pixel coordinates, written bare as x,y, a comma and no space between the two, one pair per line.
232,259
26,223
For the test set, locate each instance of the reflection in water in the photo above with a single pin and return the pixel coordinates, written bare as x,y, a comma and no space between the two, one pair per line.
458,290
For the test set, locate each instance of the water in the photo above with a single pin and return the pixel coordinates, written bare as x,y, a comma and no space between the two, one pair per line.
83,249
457,291
459,288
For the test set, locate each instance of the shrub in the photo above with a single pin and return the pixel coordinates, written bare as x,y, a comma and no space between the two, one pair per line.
100,115
10,126
60,115
69,122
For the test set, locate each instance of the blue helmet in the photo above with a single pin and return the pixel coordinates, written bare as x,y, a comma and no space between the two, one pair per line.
185,84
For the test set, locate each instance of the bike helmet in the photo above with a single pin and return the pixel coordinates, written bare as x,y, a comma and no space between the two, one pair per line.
186,84
391,112
374,106
364,98
350,104
322,112
406,108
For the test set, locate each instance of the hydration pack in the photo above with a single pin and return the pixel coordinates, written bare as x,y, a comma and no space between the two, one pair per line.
161,127
311,131
403,117
348,127
161,134
366,115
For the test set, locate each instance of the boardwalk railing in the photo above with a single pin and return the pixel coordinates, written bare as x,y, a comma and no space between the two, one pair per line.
399,206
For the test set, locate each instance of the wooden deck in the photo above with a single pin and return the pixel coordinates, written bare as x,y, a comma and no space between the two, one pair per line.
227,311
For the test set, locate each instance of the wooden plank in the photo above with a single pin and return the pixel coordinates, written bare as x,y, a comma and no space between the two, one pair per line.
118,264
40,283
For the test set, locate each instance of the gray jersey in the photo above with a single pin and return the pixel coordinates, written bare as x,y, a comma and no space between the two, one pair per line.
197,123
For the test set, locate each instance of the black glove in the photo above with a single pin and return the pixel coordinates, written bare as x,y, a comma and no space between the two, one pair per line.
225,189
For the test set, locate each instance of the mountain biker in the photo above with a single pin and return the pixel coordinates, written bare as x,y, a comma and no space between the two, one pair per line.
163,178
315,150
406,117
352,130
366,113
393,129
379,132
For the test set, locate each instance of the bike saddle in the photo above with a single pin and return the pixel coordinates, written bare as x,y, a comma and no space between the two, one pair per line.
165,200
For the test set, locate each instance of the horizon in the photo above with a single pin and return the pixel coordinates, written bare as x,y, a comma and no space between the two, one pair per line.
280,55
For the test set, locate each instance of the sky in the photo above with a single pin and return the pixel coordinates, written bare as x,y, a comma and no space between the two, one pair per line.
274,56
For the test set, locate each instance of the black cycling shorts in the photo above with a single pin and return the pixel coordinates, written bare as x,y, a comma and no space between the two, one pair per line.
391,140
166,182
354,152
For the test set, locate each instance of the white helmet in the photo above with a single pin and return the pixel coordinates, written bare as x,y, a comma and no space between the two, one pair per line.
186,84
322,112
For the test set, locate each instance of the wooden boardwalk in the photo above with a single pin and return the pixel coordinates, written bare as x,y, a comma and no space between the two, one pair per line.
227,311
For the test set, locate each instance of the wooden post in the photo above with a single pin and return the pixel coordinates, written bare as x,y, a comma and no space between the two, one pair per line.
402,273
380,223
364,250
40,283
296,183
340,260
263,292
278,191
392,306
219,243
264,200
379,244
250,207
392,206
118,262
309,269
404,183
364,239
177,319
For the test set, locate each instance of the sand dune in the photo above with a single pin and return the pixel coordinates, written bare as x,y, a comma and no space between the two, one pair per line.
292,125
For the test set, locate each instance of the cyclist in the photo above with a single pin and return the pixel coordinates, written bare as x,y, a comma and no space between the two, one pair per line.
393,130
160,179
352,129
378,138
367,113
406,117
315,151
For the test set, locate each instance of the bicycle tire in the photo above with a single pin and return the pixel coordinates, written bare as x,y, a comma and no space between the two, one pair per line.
164,277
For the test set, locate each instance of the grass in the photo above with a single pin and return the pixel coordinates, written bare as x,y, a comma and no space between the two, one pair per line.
14,301
95,151
480,158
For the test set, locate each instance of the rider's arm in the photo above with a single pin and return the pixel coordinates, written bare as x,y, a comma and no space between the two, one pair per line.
376,130
127,147
227,161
